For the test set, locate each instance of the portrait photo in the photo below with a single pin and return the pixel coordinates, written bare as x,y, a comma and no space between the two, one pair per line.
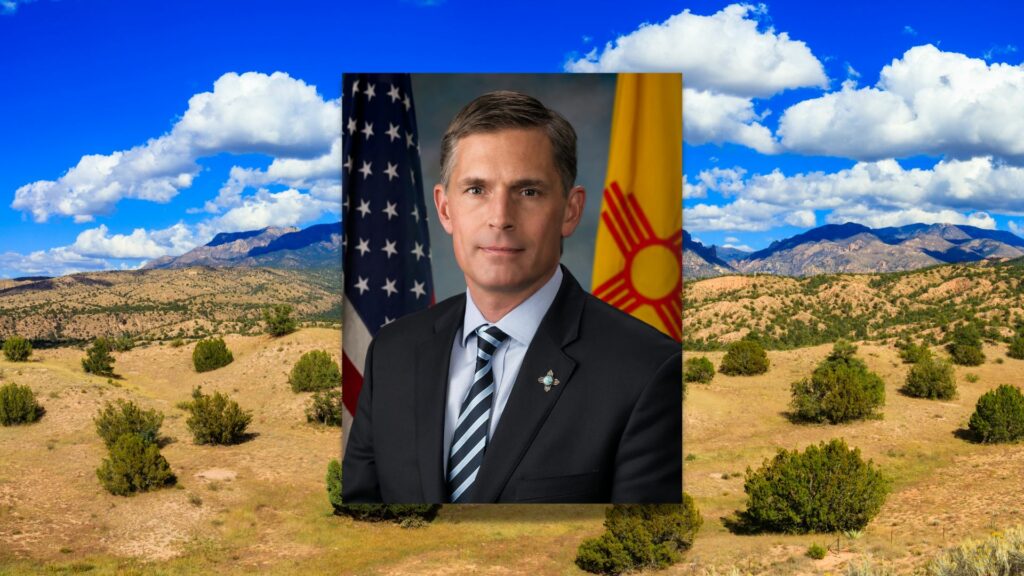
512,292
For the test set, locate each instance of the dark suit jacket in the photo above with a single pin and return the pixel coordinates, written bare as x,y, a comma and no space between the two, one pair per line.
610,431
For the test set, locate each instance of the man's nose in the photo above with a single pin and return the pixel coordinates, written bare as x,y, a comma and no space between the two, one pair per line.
501,213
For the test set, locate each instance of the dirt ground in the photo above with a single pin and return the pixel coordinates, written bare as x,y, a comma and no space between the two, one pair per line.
52,506
945,489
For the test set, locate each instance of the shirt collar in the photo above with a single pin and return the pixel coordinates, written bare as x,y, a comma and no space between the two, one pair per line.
521,322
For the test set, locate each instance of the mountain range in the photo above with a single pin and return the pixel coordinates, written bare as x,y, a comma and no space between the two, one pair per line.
851,247
318,246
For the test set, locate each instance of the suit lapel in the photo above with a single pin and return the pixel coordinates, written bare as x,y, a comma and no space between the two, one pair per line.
529,405
431,377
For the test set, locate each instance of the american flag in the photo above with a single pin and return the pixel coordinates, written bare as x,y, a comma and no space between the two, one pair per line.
386,247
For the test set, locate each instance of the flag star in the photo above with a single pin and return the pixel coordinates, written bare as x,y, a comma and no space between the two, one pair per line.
363,285
344,244
389,247
417,289
407,102
418,251
391,171
412,173
371,91
408,139
364,207
392,132
351,126
365,170
389,287
355,88
393,93
367,130
390,210
387,321
364,246
416,213
348,163
344,201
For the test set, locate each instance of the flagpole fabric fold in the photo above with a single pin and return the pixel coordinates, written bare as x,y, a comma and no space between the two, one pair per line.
638,250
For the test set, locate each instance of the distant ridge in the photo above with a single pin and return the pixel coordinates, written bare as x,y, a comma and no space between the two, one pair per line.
318,246
856,248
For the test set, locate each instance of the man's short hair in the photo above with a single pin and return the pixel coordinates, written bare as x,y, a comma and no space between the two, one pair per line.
502,110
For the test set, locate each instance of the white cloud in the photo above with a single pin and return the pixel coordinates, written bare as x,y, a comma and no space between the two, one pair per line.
245,113
319,175
286,208
141,243
698,190
52,262
743,247
252,112
927,102
741,214
709,117
879,193
11,6
727,181
726,63
724,52
1016,227
876,218
801,219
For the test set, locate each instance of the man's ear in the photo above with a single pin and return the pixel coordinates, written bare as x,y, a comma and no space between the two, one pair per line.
575,201
441,203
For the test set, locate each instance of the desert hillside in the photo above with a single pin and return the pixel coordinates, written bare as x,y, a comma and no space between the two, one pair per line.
162,304
945,489
791,312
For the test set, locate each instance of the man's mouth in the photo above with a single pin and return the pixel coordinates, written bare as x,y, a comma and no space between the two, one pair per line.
500,250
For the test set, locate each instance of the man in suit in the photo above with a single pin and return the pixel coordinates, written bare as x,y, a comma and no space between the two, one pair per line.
525,388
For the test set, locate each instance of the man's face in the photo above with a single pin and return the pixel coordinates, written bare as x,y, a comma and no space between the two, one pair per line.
506,211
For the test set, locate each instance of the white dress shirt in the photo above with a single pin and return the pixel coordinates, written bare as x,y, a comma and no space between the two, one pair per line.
520,324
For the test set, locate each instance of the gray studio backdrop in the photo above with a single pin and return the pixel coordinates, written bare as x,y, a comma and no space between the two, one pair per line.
585,100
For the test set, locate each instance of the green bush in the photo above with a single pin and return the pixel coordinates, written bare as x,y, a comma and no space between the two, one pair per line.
965,347
1016,349
698,369
177,343
210,354
932,379
278,319
840,389
744,358
216,419
325,407
134,466
121,417
98,359
397,513
640,536
816,551
315,370
999,415
18,405
122,343
17,349
912,353
826,488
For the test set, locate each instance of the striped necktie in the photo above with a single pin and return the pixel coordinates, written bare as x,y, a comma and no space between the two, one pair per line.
470,437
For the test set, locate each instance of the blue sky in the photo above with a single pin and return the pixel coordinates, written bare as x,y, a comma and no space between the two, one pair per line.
130,130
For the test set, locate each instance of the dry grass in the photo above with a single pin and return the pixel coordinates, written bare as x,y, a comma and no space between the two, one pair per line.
945,489
260,506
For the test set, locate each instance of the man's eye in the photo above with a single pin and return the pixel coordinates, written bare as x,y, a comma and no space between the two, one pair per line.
531,192
475,190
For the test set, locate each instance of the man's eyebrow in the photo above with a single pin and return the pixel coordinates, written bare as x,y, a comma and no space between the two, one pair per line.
520,183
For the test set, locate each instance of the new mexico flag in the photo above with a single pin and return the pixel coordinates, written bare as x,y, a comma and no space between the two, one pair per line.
638,254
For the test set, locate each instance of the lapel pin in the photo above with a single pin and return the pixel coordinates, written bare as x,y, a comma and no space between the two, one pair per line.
548,380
